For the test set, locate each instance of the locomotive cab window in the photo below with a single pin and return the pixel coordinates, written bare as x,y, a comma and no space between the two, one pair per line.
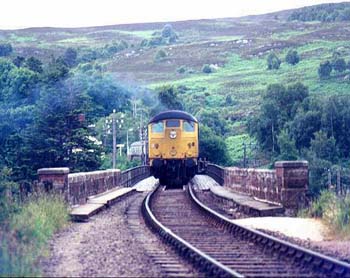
188,126
173,123
158,127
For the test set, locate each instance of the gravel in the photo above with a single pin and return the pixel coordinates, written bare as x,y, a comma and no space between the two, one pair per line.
333,248
308,233
102,247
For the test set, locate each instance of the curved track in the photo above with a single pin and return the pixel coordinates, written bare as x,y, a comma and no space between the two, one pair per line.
221,248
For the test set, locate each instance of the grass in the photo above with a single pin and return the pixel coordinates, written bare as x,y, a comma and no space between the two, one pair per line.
76,40
235,146
146,34
27,233
21,39
333,210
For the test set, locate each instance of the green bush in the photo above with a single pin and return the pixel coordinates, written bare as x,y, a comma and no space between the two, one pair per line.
160,55
273,62
207,69
292,57
325,69
334,210
181,69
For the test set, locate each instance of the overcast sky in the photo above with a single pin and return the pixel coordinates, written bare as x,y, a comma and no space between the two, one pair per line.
77,13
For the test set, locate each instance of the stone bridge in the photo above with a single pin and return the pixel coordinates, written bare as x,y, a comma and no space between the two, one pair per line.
286,185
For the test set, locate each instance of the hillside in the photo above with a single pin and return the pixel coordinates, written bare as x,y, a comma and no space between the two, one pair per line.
236,48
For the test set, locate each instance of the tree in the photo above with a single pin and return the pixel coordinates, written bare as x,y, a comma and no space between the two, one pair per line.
212,119
273,62
168,98
56,71
304,125
207,69
21,82
169,33
160,55
70,57
278,107
229,101
18,61
325,69
105,93
286,146
34,64
5,49
339,65
5,69
213,147
60,136
292,57
324,147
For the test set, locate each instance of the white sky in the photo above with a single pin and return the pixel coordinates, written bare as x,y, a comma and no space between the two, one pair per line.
77,13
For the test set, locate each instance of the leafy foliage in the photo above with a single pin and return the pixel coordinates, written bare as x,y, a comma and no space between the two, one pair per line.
325,69
292,57
273,62
160,55
5,49
323,12
213,146
168,99
207,69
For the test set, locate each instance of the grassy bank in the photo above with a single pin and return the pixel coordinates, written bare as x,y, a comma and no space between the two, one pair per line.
333,210
25,234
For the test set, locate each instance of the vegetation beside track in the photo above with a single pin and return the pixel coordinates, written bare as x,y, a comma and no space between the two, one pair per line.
25,228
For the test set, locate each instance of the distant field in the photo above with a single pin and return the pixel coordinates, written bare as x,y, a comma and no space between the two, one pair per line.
237,48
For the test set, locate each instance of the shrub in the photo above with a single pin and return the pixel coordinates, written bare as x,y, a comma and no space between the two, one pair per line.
325,69
28,232
8,194
207,69
273,62
292,57
5,49
333,209
181,69
339,65
160,55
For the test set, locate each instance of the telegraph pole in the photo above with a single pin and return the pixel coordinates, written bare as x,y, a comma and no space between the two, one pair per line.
244,154
114,139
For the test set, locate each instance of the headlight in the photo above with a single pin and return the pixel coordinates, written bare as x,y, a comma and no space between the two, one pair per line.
172,134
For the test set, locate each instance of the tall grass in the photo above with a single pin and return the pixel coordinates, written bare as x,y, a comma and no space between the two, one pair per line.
27,232
333,210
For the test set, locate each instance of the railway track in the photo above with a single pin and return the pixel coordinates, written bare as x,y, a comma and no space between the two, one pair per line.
166,260
218,247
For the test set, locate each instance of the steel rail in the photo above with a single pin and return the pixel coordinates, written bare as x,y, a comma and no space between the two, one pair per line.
329,264
201,260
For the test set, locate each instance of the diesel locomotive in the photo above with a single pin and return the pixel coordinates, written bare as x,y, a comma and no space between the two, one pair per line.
173,147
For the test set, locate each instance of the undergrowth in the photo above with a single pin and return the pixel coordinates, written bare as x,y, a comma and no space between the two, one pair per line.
333,210
24,236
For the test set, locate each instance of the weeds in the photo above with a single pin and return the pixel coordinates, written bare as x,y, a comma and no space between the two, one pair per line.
334,211
27,232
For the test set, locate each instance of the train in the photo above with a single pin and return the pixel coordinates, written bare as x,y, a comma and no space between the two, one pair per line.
173,147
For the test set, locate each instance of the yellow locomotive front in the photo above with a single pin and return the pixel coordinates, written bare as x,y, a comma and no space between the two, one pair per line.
173,147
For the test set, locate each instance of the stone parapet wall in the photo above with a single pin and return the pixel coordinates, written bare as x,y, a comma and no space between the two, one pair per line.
287,184
77,187
82,185
259,183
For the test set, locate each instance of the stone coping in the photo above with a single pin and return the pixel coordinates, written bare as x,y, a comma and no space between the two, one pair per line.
292,164
53,171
